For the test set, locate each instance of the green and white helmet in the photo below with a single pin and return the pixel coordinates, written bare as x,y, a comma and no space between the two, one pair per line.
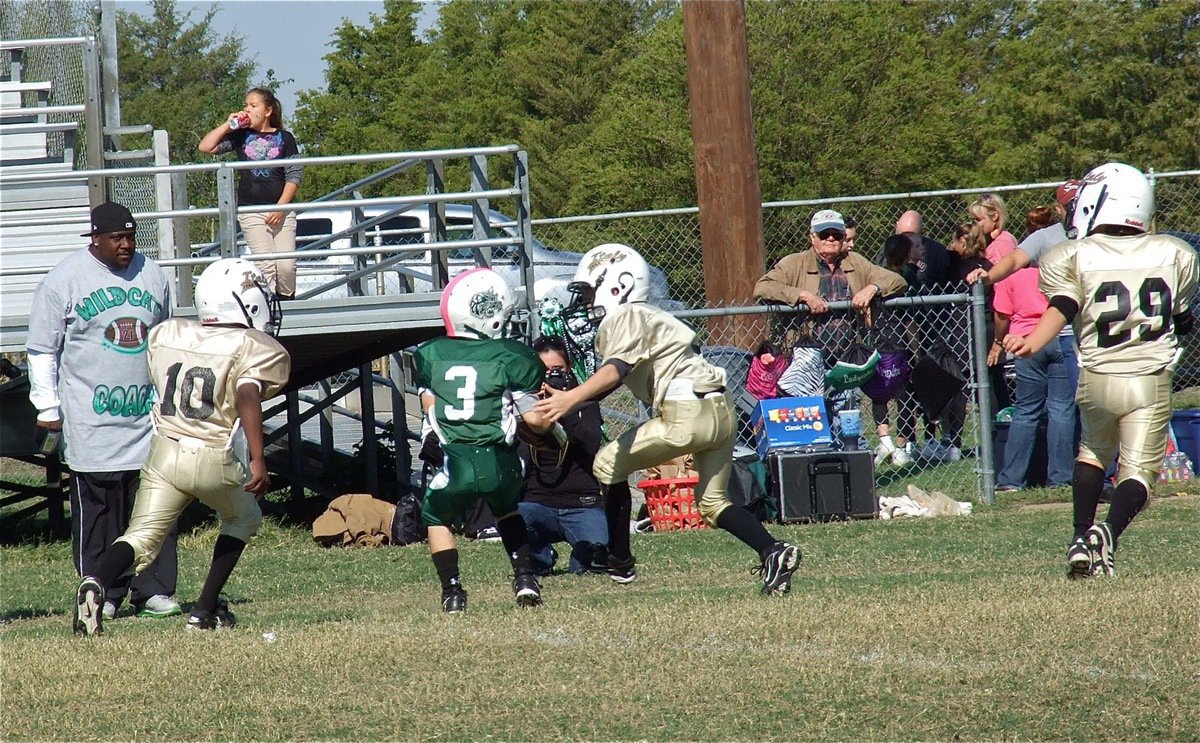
477,304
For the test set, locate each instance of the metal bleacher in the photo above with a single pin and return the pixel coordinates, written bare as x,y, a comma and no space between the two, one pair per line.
32,142
346,329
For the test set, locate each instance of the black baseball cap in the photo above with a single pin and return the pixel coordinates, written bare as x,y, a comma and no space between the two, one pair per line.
110,217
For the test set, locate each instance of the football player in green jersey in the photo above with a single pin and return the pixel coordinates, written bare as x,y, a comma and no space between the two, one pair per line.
655,356
1128,294
476,388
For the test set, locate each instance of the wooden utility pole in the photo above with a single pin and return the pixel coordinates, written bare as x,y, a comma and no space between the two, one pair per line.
730,202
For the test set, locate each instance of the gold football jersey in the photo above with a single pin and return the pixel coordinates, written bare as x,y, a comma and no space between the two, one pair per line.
1128,289
659,347
195,370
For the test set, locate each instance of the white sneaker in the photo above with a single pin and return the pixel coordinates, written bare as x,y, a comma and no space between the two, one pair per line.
885,449
940,451
903,455
488,534
159,606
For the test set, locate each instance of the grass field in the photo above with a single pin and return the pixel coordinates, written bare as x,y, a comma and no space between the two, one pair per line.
936,629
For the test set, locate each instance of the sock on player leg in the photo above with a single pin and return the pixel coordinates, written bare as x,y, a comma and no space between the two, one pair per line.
226,554
1128,499
618,503
1086,487
742,524
446,565
117,560
515,538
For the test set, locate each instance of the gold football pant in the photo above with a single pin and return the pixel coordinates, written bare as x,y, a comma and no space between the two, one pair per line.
174,474
703,428
1128,416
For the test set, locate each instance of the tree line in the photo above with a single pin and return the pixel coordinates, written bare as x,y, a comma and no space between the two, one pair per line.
850,97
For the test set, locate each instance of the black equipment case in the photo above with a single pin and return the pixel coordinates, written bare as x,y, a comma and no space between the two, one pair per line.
823,486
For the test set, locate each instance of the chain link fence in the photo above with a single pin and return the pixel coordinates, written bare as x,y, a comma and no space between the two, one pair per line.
62,64
670,239
946,452
941,425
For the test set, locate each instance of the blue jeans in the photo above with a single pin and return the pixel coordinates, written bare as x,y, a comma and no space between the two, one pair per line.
1045,391
583,528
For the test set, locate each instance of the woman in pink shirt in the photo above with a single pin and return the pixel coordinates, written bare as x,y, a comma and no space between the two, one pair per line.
991,215
1045,388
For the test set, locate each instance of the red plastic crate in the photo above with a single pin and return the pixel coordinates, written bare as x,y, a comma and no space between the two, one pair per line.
672,504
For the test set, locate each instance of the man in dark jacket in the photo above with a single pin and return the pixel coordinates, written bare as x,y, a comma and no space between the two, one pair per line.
932,257
562,500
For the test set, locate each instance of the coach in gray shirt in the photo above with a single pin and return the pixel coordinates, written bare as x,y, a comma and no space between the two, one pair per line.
89,380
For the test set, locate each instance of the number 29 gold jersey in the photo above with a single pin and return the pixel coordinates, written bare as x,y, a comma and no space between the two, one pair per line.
1127,289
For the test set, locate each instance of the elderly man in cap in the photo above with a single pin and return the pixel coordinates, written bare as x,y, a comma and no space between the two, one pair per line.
88,377
827,272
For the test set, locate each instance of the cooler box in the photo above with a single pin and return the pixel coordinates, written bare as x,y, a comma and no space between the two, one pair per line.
1186,425
790,423
823,486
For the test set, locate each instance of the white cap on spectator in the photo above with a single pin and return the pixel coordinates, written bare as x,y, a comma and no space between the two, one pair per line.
827,219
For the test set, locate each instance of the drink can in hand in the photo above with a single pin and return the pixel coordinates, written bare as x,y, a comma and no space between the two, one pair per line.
240,120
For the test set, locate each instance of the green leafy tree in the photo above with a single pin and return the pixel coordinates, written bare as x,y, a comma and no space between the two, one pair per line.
492,72
850,97
639,154
178,75
369,102
1077,84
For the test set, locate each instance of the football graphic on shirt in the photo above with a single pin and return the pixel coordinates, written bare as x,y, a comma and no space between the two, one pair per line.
127,334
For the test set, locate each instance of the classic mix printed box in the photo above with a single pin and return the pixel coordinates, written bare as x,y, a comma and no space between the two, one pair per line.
790,422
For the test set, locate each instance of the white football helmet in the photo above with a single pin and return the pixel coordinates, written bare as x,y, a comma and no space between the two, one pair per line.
477,304
234,291
609,276
1113,194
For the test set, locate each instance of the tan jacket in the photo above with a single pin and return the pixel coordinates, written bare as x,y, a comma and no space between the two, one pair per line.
798,272
355,520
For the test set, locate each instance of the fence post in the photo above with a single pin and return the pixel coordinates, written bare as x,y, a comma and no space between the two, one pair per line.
404,463
366,406
181,234
98,187
435,183
227,218
521,163
983,394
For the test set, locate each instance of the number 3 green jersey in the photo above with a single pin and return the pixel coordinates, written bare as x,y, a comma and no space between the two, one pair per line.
474,384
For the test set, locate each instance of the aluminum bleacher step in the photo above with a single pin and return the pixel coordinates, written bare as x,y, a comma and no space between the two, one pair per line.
12,96
29,143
